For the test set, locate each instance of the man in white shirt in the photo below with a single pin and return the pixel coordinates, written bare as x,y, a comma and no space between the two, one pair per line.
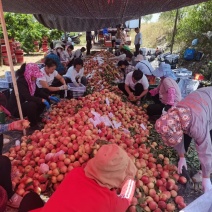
144,65
138,41
135,86
75,73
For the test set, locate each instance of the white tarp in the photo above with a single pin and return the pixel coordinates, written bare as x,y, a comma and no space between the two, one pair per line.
201,204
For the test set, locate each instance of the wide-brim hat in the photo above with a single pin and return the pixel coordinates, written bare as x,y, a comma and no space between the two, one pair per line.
139,58
110,167
3,199
164,70
58,45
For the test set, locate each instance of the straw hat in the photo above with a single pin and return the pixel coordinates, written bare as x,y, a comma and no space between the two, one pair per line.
111,167
164,70
139,58
58,45
3,199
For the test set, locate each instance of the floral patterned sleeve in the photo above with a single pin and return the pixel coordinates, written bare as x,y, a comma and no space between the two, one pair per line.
4,128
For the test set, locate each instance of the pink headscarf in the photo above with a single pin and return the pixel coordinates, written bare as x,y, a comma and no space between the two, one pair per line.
173,124
32,70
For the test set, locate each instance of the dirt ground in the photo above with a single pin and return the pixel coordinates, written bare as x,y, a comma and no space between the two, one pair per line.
32,58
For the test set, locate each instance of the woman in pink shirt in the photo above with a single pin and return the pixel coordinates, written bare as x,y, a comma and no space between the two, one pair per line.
167,94
192,117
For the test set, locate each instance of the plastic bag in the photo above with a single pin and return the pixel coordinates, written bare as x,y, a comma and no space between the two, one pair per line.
116,124
194,42
17,143
111,115
126,130
187,86
107,101
49,156
61,152
142,126
44,168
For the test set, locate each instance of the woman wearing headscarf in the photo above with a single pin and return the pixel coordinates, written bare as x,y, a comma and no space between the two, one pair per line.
32,100
59,51
191,118
167,94
95,185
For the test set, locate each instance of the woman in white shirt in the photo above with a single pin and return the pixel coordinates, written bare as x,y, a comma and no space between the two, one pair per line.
135,86
75,73
49,75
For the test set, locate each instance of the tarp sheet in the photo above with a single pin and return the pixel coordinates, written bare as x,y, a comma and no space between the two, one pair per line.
78,15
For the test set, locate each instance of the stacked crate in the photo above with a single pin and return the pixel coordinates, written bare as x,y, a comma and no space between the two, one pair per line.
4,52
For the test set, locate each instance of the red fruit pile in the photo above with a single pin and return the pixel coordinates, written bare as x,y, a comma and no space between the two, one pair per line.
69,129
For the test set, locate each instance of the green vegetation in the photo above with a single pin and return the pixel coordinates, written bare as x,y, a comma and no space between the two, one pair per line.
25,29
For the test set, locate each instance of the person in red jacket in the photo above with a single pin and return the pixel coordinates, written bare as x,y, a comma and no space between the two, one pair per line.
93,188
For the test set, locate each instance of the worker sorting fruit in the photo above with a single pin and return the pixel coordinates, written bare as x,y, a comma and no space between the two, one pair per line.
96,184
191,118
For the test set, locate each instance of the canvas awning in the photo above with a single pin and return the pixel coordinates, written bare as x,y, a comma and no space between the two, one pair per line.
81,15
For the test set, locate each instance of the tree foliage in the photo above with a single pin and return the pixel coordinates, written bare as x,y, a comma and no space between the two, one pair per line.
25,29
192,22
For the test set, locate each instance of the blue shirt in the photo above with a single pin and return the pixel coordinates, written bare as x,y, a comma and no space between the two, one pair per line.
60,68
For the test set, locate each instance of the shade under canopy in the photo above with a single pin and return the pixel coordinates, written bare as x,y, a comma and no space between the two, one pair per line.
80,15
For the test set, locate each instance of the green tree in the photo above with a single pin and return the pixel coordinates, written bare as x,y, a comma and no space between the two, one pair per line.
192,22
26,29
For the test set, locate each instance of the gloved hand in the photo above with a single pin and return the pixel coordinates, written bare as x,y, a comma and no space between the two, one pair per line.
45,102
181,163
206,184
54,99
18,125
164,111
63,87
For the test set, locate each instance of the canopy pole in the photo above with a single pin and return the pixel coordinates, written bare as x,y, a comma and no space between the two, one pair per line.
3,25
174,30
139,22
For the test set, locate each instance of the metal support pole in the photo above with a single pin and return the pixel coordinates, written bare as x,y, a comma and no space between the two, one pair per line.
174,30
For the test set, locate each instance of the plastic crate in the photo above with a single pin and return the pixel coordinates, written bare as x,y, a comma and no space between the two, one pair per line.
4,83
187,86
108,43
76,91
8,76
